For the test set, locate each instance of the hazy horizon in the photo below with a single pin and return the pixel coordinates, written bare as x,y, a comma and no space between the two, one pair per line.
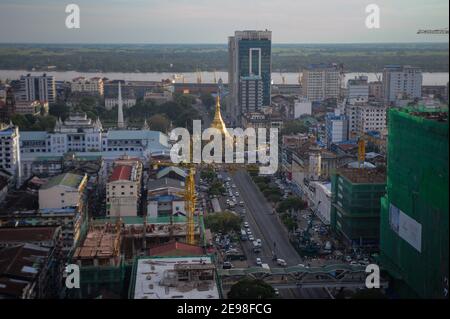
212,21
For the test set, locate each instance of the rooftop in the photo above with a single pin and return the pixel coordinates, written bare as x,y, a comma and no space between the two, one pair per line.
101,242
158,278
175,248
27,234
20,265
364,175
121,173
67,180
165,183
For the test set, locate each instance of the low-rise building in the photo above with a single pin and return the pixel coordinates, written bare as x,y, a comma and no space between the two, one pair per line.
32,107
63,191
123,190
30,262
93,85
165,197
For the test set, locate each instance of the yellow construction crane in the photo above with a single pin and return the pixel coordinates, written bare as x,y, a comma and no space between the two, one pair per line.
189,197
361,152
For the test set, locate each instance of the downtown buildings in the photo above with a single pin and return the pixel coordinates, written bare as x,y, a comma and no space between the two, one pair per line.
249,74
401,82
38,88
321,82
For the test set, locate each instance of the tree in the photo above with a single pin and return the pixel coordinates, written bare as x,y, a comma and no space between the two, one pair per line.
294,203
223,222
185,100
207,100
294,127
251,289
159,122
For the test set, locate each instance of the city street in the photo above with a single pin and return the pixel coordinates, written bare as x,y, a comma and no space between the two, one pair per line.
265,226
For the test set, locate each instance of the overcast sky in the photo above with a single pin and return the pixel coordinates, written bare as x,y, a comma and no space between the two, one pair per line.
211,21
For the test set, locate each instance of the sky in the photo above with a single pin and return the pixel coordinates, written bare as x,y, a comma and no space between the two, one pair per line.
212,21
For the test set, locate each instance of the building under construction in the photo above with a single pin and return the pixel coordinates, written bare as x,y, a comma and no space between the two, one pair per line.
414,214
174,278
355,207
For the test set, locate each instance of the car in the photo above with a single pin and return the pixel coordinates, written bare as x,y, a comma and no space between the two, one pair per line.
259,242
354,263
251,238
258,261
227,265
276,291
246,225
237,194
228,179
281,262
249,232
241,203
234,186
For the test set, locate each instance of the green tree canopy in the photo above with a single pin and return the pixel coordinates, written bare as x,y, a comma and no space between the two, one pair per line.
294,127
295,203
207,100
223,222
251,289
159,122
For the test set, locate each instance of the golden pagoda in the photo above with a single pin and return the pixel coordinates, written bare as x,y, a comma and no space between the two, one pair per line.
218,122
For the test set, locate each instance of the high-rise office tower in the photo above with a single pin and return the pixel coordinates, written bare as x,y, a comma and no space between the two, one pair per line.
38,88
249,74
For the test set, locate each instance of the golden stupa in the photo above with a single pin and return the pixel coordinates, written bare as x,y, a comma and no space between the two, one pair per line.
218,122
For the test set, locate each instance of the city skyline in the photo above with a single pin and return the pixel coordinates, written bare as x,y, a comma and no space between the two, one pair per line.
183,21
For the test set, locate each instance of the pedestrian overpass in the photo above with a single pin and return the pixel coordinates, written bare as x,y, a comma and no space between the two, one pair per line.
329,276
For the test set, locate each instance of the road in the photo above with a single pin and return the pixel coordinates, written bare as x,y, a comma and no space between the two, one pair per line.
260,215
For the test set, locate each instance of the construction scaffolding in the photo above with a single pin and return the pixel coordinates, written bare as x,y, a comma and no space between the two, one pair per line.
415,211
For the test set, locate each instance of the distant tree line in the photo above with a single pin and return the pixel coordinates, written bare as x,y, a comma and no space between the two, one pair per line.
431,57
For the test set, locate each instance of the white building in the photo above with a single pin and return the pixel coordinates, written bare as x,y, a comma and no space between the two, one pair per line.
63,191
93,85
38,88
302,107
358,88
370,117
164,197
336,127
322,201
10,152
401,82
123,190
321,82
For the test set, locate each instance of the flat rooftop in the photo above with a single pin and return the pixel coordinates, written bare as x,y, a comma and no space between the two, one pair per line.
364,175
151,271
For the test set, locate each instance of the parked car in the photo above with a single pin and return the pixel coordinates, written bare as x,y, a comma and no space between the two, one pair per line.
258,261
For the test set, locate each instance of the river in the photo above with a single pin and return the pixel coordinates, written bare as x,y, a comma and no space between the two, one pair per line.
437,78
